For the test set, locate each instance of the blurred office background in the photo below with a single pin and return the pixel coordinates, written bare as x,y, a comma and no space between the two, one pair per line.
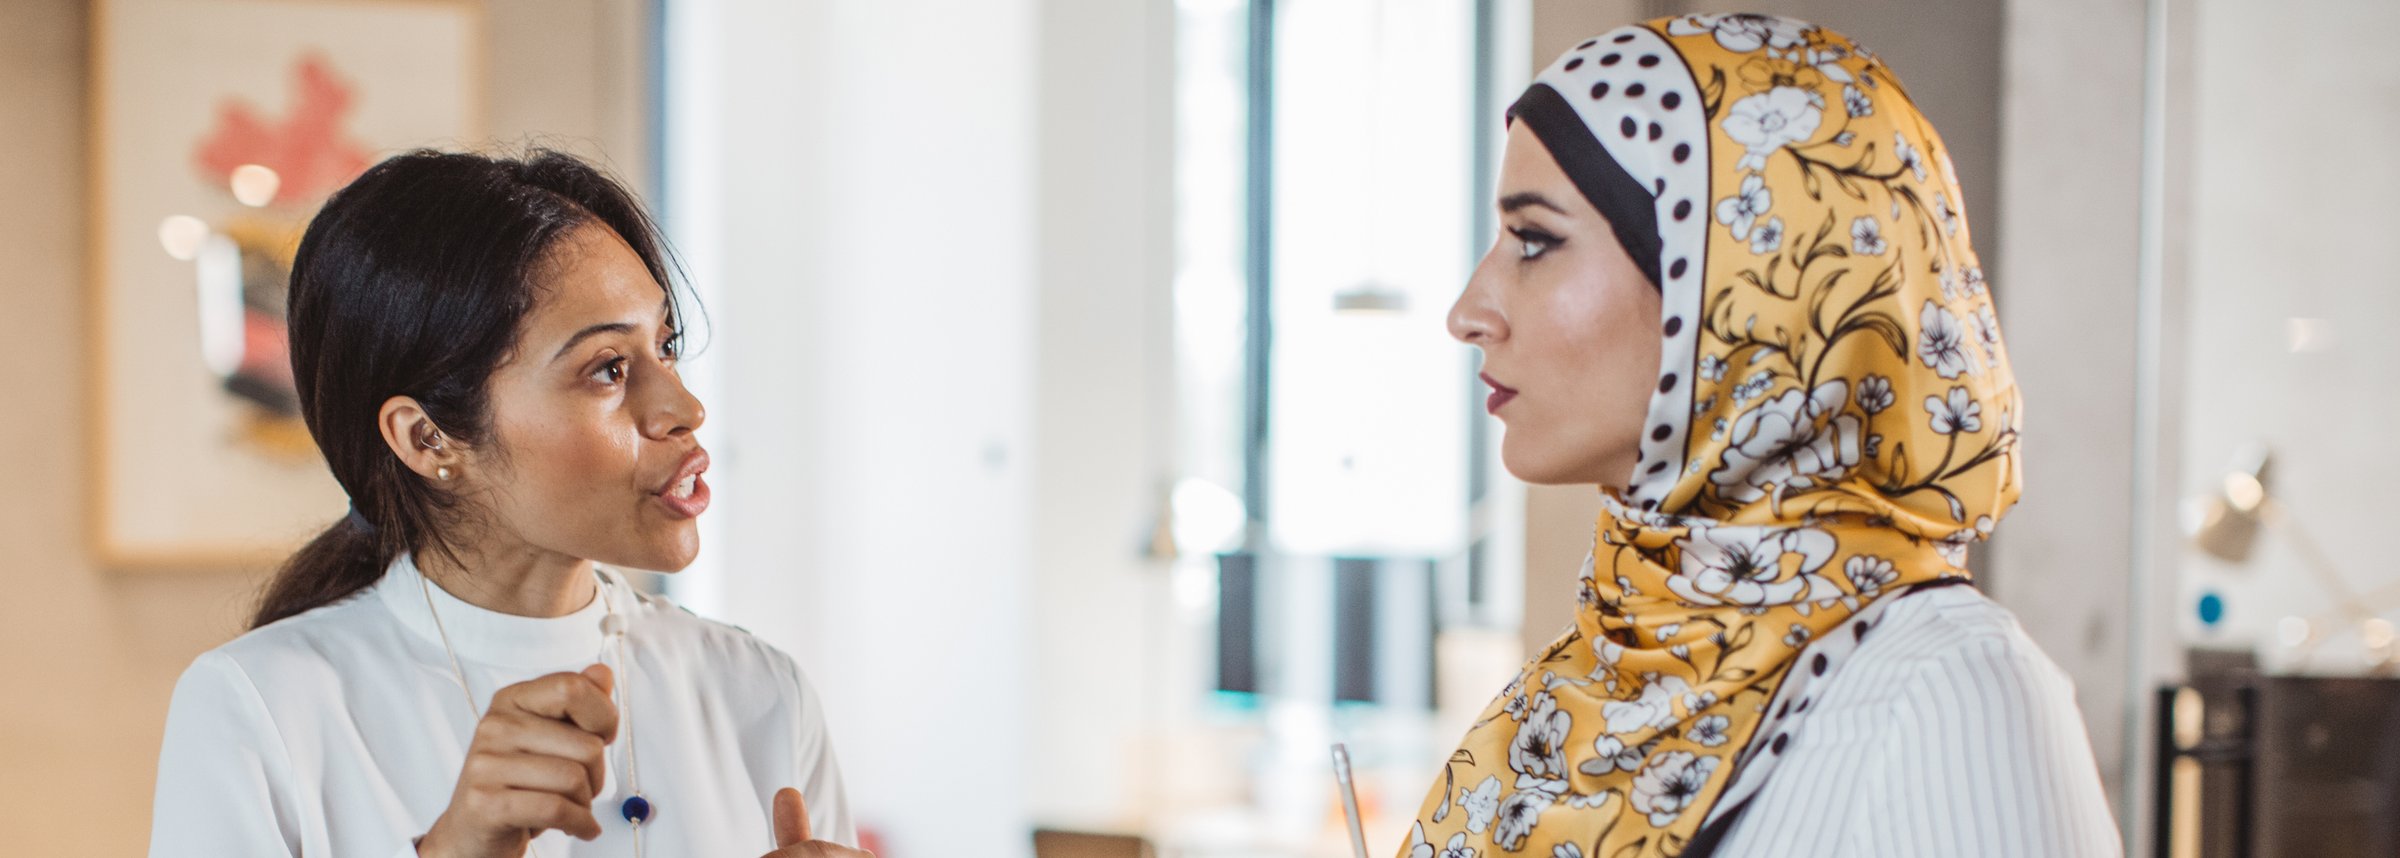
1084,420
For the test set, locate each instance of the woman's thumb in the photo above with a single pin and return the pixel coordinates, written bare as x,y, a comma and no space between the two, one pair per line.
791,818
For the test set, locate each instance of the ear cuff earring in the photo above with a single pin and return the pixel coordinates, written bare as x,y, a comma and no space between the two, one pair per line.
434,442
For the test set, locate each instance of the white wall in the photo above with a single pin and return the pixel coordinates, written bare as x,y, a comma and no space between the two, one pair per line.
938,236
2070,203
875,326
2291,218
1104,429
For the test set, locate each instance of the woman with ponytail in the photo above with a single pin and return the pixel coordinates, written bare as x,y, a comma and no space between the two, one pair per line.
485,352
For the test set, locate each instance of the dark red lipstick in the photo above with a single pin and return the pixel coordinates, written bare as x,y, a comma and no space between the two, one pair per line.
1501,394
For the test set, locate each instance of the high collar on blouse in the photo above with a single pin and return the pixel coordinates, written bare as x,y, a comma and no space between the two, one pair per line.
490,637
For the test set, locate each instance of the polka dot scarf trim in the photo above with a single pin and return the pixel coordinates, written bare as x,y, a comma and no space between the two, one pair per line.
1835,422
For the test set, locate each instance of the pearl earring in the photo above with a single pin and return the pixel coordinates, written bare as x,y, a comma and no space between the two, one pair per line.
442,472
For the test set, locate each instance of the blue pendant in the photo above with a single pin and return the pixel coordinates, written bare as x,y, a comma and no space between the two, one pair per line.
637,810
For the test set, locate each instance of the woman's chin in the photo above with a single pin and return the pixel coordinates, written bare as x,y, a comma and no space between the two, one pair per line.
668,552
1544,474
678,560
1543,465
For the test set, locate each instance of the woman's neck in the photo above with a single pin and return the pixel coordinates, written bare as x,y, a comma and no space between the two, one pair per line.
512,578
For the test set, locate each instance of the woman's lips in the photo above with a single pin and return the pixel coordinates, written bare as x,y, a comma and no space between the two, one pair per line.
687,506
1501,394
684,503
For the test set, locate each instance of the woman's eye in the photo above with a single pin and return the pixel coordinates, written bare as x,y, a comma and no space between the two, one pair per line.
611,372
671,348
1532,243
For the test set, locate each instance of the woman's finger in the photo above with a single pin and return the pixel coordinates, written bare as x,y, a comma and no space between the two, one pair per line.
541,811
600,675
533,772
519,733
792,836
791,818
573,698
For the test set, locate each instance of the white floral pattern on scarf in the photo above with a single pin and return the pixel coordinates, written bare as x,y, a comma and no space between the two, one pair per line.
1743,33
1744,566
1744,208
1772,120
1669,783
1793,441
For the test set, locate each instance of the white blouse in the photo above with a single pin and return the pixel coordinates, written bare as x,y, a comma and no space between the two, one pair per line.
341,731
1928,724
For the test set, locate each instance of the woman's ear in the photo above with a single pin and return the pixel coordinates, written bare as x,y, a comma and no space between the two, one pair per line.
421,446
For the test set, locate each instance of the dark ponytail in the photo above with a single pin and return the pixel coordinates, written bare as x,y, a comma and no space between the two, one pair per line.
413,281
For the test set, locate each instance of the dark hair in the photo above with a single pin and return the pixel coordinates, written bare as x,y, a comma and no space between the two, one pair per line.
413,281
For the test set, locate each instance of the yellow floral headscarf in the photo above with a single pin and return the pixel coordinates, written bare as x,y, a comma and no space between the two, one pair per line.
1835,421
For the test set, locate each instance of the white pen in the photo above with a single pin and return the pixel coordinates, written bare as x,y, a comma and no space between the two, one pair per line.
1341,775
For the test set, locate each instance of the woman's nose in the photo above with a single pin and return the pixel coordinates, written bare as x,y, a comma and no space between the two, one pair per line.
676,409
1473,320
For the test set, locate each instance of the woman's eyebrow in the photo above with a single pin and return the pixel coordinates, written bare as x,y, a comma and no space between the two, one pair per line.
666,313
1523,199
604,328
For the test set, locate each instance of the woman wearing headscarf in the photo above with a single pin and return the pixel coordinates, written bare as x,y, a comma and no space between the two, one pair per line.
1736,291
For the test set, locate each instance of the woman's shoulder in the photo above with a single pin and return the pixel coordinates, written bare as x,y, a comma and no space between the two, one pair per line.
1888,658
720,646
319,639
1940,701
1937,644
1975,714
1943,625
284,664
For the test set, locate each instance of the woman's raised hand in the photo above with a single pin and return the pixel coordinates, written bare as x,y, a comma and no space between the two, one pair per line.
792,834
536,763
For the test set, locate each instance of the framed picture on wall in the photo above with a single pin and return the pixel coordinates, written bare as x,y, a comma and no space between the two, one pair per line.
218,128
